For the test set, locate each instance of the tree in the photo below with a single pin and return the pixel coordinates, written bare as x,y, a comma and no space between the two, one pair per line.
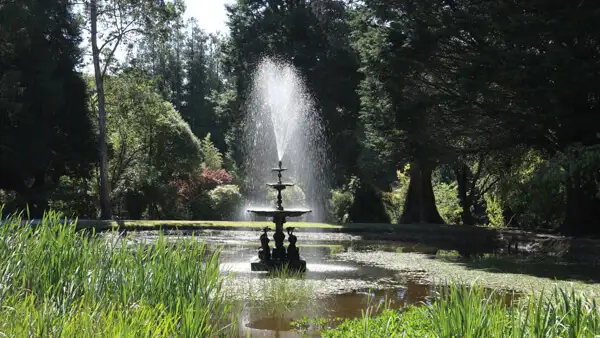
150,143
427,98
120,20
549,71
197,109
45,130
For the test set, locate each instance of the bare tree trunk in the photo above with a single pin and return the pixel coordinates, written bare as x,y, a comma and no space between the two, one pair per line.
419,206
105,209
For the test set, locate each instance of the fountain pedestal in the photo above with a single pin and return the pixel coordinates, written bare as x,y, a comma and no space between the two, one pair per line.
279,257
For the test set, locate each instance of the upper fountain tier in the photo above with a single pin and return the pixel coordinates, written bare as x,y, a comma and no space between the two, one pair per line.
279,211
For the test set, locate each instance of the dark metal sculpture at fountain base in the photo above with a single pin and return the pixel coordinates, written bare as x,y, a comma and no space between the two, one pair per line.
280,257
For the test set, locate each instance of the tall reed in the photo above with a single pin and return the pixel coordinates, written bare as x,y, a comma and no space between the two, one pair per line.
56,281
473,311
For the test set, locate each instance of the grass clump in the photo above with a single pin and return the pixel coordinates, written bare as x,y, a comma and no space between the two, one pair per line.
470,312
56,281
283,293
411,322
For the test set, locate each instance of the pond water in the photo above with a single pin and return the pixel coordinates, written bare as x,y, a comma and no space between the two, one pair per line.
331,288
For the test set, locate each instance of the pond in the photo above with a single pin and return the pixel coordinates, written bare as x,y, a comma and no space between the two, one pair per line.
347,274
335,285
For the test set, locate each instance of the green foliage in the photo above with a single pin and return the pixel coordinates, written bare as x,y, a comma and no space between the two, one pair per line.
473,312
411,322
45,129
75,197
342,200
70,283
225,200
394,200
533,191
211,156
446,200
494,211
150,143
467,312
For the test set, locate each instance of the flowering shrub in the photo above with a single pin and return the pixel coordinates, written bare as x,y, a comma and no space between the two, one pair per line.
224,200
210,179
193,192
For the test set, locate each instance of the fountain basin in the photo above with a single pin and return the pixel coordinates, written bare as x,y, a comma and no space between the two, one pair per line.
277,265
279,213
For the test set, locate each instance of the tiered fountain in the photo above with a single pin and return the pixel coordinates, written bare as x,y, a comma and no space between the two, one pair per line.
280,257
282,120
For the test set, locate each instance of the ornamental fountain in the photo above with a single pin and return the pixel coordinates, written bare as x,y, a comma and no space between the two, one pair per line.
279,257
281,119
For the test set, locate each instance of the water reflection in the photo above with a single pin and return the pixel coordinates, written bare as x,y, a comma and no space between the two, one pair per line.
348,305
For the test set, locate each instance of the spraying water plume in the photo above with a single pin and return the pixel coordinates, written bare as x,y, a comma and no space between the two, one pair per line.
282,124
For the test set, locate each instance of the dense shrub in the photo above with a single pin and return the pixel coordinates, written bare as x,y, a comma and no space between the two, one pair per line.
533,192
494,212
210,178
394,200
224,200
75,197
194,199
341,201
447,202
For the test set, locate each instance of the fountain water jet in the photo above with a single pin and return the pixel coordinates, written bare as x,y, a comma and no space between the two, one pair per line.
282,124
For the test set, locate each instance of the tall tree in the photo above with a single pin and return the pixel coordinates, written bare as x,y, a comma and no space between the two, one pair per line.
120,21
197,109
551,73
425,97
45,130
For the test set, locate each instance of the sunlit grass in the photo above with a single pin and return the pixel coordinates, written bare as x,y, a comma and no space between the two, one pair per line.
55,281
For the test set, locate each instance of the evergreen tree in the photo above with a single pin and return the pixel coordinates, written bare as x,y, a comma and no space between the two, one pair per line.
45,129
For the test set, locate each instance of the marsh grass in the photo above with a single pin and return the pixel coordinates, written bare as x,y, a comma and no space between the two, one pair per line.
474,311
282,293
56,281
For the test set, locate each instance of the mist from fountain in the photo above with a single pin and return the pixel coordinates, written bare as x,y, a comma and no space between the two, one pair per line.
282,124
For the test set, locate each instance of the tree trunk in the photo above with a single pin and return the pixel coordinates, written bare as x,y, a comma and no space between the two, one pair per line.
105,209
419,206
464,195
582,213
